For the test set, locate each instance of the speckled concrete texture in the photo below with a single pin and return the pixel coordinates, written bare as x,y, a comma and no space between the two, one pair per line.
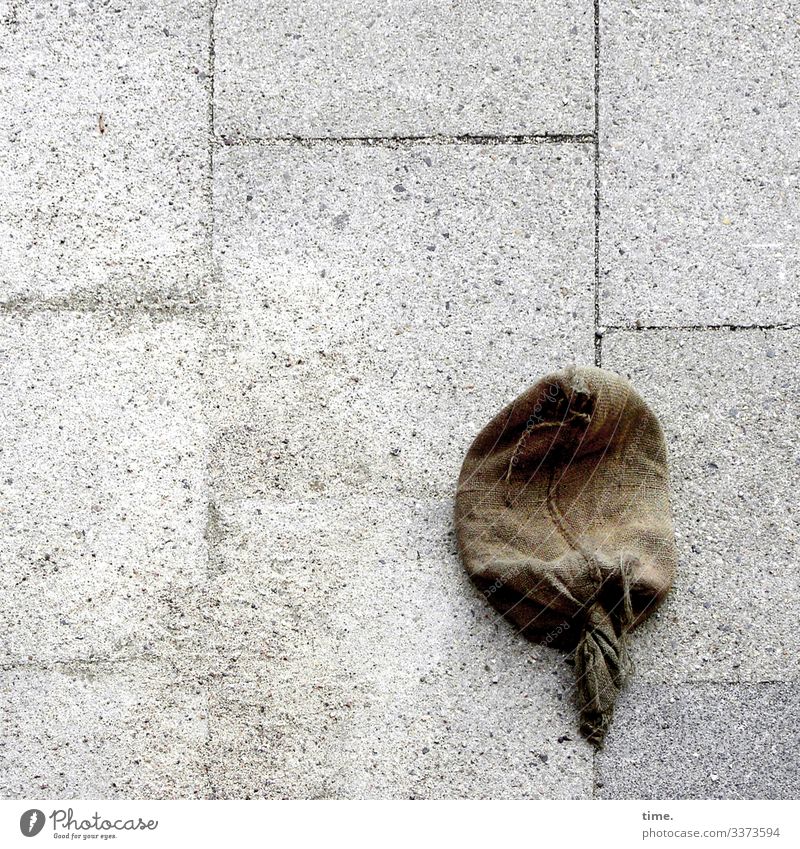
379,301
103,485
701,185
104,152
728,401
361,663
127,730
371,68
265,271
703,741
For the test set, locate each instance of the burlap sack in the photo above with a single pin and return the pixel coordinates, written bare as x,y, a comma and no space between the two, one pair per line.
563,520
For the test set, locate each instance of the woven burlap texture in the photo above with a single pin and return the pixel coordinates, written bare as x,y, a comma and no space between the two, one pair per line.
563,520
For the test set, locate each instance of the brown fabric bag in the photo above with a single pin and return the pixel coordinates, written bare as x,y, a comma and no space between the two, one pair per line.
563,520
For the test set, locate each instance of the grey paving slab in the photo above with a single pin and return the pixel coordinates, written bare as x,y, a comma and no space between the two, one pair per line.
699,175
356,660
104,151
102,731
380,304
728,401
703,741
103,485
332,68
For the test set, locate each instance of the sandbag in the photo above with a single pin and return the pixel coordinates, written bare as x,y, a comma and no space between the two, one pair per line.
563,519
